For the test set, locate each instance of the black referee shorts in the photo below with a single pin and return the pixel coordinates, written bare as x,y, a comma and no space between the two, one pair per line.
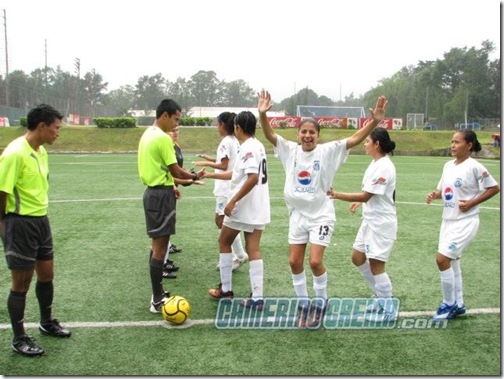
26,239
160,210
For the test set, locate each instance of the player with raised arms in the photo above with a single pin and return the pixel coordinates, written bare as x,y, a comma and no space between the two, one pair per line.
309,173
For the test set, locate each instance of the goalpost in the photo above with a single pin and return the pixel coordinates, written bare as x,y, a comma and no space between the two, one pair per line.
414,120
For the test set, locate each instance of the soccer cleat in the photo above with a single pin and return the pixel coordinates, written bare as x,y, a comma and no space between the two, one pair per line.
170,266
169,275
382,316
315,317
445,312
302,316
174,249
258,305
460,310
237,263
375,306
217,293
25,345
156,307
54,328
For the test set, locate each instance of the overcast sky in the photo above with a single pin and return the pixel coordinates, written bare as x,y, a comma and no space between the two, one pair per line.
333,47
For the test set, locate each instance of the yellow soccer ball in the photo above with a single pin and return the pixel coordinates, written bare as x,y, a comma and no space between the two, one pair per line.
176,310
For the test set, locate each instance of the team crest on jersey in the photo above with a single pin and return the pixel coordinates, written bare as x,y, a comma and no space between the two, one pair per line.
448,193
458,182
381,181
304,178
316,166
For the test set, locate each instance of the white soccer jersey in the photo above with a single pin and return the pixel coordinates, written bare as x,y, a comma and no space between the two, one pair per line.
309,175
380,211
254,207
228,147
462,181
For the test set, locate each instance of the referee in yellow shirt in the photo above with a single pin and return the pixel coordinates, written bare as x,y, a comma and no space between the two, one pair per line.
157,166
24,225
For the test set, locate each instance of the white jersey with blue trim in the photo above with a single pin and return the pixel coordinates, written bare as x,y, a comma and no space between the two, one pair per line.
254,207
229,147
380,210
309,175
463,181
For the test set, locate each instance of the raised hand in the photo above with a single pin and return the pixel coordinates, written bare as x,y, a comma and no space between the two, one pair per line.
264,102
378,113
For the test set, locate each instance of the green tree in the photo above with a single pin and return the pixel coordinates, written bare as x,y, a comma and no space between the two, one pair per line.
181,93
149,91
206,89
121,100
238,94
93,88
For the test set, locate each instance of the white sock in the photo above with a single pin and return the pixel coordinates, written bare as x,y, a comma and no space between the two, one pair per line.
299,283
448,286
226,271
457,271
365,271
237,248
256,273
167,253
383,290
383,285
320,286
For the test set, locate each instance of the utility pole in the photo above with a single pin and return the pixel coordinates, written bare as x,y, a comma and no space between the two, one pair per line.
77,72
45,69
6,61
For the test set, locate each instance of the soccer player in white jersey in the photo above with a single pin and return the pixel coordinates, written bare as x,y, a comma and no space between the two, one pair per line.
464,184
378,230
247,210
227,152
310,170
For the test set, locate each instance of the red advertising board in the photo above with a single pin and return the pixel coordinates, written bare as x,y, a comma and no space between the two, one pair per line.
293,122
330,122
387,123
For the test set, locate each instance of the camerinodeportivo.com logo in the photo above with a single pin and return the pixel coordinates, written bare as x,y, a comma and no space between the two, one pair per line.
338,313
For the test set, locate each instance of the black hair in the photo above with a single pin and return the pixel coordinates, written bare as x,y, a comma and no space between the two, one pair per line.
167,105
42,113
247,121
381,135
312,120
470,137
227,118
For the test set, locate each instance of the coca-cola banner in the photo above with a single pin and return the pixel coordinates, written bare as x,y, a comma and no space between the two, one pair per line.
284,122
293,122
4,121
387,123
334,122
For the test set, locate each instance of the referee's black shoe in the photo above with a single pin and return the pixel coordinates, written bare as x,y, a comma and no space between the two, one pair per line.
54,328
24,345
170,266
174,249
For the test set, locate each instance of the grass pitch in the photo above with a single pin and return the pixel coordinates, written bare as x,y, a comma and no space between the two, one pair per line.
102,287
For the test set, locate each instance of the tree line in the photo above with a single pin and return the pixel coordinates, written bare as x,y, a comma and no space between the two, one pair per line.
464,83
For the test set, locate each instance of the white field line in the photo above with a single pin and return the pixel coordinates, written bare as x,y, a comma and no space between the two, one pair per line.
191,322
212,198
